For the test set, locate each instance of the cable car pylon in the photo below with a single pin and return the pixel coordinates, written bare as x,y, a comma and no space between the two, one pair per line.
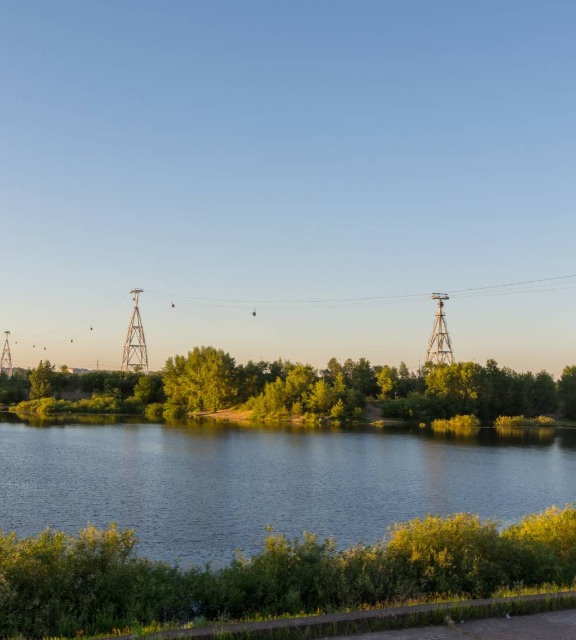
439,345
6,361
135,356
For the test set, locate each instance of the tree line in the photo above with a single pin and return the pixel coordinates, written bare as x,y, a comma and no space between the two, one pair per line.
444,391
208,379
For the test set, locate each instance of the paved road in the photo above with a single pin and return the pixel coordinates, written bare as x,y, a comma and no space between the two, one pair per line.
555,625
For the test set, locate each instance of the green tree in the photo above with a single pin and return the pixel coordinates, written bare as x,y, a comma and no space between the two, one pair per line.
567,392
409,382
360,376
321,398
495,393
543,395
272,401
203,380
252,378
278,369
41,380
333,368
144,389
298,383
387,379
13,389
458,384
338,411
339,385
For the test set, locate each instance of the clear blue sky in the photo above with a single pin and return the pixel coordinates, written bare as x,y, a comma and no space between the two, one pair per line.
259,153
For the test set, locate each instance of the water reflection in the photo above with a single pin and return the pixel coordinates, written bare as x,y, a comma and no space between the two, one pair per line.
492,436
527,434
566,437
62,420
457,434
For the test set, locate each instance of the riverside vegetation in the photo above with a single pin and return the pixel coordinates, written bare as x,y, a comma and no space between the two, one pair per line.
209,380
55,584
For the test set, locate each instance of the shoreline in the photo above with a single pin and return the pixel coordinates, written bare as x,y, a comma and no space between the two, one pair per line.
372,415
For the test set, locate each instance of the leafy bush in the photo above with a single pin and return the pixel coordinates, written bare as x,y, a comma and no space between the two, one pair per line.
173,411
521,421
99,403
463,425
553,534
416,406
56,584
154,411
367,575
457,554
285,577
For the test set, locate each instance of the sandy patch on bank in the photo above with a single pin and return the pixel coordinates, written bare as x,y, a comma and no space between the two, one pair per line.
372,414
232,415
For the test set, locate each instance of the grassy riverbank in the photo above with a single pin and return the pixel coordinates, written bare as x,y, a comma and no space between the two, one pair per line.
60,585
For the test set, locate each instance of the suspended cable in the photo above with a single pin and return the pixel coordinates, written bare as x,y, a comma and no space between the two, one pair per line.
87,321
72,336
334,303
514,284
507,293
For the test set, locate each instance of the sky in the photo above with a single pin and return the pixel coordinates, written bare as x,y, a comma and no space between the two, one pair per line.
328,164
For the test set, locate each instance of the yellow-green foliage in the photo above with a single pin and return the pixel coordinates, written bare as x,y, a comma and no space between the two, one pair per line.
55,584
366,575
304,397
99,403
154,411
521,421
553,533
457,554
463,425
286,576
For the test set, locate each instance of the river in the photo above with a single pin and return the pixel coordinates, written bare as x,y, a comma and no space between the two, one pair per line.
194,493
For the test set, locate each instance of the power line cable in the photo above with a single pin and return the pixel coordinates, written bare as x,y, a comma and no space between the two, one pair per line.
333,303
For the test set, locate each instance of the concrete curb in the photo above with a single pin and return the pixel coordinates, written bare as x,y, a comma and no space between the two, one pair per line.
355,622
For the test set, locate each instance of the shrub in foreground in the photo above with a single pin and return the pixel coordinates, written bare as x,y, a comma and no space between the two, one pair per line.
457,554
551,536
285,577
60,585
56,584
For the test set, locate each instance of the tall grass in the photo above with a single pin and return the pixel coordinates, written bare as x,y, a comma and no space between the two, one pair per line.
55,584
465,425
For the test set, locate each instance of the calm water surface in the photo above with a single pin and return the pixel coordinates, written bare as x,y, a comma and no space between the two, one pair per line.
195,493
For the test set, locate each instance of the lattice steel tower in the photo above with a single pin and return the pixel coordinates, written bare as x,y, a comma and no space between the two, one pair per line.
6,362
135,354
439,346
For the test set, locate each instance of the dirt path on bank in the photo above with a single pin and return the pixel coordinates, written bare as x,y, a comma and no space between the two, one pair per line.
373,413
